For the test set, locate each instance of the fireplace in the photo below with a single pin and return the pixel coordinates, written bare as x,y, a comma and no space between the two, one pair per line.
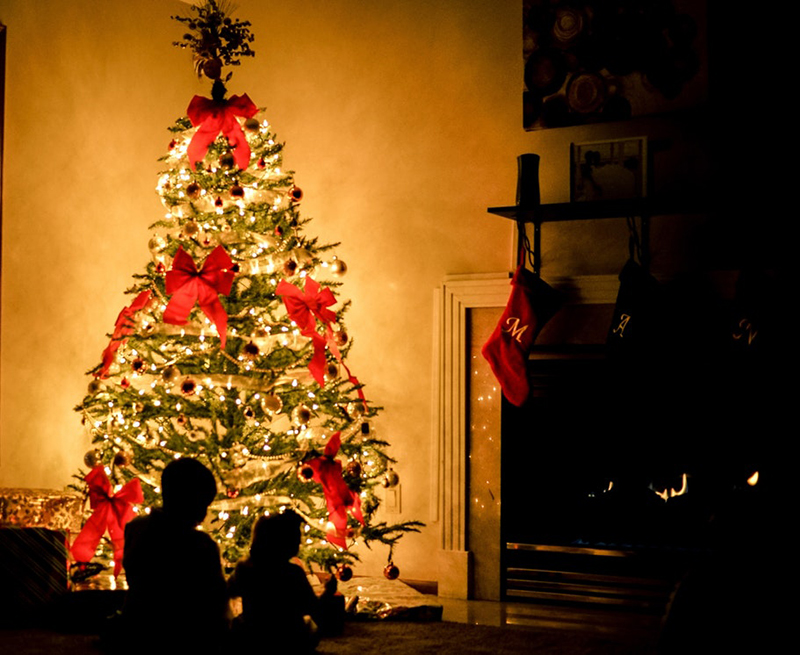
612,482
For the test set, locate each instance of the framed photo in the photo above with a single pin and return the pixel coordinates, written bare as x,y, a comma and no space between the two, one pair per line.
608,170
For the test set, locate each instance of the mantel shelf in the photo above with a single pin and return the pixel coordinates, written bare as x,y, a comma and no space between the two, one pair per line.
599,209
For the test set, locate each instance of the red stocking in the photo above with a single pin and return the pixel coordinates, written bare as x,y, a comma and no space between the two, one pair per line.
532,303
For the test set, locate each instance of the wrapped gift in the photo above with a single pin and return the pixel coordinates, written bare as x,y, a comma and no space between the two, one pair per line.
369,598
41,508
34,528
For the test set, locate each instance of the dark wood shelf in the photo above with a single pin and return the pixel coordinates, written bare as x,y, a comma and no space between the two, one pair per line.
601,209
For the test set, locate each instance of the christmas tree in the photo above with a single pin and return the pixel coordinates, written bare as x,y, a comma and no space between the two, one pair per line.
233,350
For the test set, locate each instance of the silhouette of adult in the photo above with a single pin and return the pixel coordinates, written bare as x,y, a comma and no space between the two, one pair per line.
177,597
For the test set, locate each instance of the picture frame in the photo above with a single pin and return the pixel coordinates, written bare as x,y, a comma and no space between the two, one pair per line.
615,169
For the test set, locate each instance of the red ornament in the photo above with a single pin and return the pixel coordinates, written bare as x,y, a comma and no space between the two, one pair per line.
344,573
237,191
124,383
391,572
193,190
188,387
232,492
261,163
290,267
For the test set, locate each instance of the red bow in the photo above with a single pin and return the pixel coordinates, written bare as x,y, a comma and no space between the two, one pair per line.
111,511
190,286
122,328
338,496
304,306
215,117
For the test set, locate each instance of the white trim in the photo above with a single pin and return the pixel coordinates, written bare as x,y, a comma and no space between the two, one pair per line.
457,295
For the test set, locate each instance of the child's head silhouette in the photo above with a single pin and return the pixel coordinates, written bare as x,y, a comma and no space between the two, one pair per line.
187,488
276,537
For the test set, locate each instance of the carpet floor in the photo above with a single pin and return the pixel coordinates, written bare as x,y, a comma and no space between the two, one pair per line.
384,637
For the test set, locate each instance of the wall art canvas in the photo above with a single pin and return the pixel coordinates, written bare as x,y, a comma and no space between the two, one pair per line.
610,60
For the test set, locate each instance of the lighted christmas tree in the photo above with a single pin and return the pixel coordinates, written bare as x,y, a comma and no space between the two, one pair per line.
233,350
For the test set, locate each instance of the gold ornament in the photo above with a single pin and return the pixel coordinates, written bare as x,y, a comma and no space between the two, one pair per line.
271,403
355,409
341,337
251,124
95,386
156,244
390,479
338,267
331,371
191,229
301,415
92,458
170,374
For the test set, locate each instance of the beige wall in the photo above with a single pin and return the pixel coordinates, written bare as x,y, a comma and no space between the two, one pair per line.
402,121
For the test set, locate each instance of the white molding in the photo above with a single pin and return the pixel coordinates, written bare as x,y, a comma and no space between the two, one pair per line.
452,301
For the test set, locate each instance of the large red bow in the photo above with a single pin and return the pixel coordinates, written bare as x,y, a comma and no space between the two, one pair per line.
122,328
190,286
215,117
111,512
338,496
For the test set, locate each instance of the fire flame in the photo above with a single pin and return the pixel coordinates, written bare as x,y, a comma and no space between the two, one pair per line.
753,479
666,494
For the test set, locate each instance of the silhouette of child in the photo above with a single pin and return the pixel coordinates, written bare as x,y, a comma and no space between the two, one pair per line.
176,586
279,606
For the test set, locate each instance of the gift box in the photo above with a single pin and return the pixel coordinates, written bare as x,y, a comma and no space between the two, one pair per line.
34,528
41,508
368,598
